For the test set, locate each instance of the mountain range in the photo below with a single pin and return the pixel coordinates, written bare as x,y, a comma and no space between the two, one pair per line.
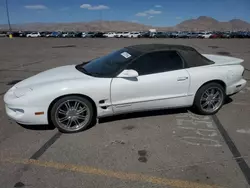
201,23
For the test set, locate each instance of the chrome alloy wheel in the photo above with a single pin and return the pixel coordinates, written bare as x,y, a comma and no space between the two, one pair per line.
212,99
72,115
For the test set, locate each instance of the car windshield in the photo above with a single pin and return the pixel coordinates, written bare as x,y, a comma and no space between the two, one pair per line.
109,65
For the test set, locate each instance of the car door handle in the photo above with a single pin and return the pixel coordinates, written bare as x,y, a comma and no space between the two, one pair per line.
182,78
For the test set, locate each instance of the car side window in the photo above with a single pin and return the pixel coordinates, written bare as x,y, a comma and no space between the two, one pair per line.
157,62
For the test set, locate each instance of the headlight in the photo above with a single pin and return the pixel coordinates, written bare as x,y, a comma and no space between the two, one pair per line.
19,92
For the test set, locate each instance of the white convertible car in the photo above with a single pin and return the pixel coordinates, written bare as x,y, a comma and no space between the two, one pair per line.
134,78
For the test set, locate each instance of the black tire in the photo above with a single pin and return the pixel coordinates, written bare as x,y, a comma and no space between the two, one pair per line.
83,101
200,93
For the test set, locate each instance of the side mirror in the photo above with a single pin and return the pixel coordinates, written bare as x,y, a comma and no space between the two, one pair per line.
128,74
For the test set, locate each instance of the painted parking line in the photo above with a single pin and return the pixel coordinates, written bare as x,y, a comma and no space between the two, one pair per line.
112,174
203,131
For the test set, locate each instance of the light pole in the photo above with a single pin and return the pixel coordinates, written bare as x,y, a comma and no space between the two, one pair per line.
101,20
8,17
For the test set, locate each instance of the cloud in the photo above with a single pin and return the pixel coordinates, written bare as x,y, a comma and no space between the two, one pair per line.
151,11
178,18
158,6
35,7
87,6
150,17
141,14
91,7
148,12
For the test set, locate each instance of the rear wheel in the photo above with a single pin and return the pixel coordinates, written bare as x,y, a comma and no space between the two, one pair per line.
209,99
72,114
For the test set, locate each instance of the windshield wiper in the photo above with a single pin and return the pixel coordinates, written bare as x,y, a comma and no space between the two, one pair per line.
80,68
83,70
94,74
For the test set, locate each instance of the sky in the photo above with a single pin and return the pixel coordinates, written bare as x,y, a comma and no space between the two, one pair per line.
150,12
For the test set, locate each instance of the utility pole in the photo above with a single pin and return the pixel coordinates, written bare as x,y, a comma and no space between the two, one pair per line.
8,17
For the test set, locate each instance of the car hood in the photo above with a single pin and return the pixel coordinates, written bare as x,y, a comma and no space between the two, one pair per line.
58,74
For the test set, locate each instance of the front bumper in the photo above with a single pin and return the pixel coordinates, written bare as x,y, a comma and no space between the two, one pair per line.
19,110
26,115
236,87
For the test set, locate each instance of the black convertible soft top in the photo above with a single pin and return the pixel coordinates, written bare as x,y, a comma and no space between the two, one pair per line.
190,56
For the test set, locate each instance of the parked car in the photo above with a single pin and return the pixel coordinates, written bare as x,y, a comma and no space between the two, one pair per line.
89,34
55,34
160,35
122,34
44,33
153,34
33,34
125,34
110,34
226,35
174,34
98,35
144,35
118,34
78,34
69,35
246,34
3,34
134,34
134,78
13,33
183,35
83,34
48,34
192,35
205,35
65,34
216,35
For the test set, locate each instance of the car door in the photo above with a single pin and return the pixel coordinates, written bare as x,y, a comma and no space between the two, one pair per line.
162,82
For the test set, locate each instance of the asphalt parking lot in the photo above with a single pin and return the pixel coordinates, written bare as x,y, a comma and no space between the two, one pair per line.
169,148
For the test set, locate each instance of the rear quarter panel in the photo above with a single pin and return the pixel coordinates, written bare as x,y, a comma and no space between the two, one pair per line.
229,74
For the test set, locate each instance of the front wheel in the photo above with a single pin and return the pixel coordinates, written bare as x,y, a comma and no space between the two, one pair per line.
209,99
72,114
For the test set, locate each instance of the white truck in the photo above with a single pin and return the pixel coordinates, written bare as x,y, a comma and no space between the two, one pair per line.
152,33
